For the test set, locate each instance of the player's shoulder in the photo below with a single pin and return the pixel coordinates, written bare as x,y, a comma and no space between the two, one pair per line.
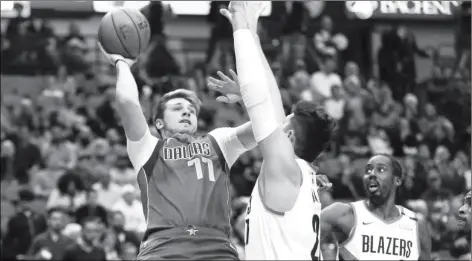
408,213
306,167
339,209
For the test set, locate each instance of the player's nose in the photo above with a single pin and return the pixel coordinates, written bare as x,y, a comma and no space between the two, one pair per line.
186,112
461,211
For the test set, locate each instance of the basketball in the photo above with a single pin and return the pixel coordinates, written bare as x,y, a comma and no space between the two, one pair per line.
124,31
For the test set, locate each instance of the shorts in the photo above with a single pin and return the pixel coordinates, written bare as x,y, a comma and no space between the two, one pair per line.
180,244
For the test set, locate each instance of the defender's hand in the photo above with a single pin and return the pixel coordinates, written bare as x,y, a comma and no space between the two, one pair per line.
323,182
229,88
244,14
113,58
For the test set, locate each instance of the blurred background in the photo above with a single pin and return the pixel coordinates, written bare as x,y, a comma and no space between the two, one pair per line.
397,80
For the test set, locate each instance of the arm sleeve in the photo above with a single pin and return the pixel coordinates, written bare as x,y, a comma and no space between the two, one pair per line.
230,145
140,151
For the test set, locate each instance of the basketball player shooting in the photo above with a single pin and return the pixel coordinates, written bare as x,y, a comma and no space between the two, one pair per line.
183,179
376,228
283,215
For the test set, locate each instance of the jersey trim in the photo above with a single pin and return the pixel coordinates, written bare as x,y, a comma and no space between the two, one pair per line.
221,157
143,184
148,167
418,238
353,229
147,198
389,222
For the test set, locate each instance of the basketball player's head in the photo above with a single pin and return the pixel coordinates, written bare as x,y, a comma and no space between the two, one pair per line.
382,177
177,112
310,130
464,215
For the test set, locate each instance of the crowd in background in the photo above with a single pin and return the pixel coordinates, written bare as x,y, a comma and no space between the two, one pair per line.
68,188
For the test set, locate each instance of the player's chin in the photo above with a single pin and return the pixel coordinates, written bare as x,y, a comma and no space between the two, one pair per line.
187,129
462,223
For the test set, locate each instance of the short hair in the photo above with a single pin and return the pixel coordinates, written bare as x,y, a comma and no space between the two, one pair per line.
190,96
313,130
66,179
89,219
397,169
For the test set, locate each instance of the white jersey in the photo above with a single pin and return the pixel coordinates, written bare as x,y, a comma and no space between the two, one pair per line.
374,239
293,235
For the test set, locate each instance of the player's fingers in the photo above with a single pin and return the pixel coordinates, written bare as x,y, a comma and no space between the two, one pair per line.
224,77
234,76
216,81
214,87
226,13
223,99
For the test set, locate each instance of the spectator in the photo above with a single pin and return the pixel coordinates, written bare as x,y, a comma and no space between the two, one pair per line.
75,49
7,156
435,192
22,227
117,237
91,209
27,154
378,141
132,210
355,145
121,173
408,48
334,105
60,153
435,129
68,194
85,248
51,244
323,80
108,192
347,184
323,39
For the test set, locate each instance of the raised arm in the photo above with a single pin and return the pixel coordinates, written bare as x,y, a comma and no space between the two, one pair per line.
244,132
127,103
140,142
280,171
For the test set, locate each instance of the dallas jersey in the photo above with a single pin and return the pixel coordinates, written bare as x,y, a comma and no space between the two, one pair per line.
293,235
374,239
186,183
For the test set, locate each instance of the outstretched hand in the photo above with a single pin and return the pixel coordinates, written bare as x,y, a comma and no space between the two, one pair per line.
113,58
244,14
323,182
227,87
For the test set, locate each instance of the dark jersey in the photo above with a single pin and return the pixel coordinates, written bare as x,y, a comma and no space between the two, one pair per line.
186,183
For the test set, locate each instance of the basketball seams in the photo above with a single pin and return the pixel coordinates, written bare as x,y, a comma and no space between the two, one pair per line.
137,30
119,38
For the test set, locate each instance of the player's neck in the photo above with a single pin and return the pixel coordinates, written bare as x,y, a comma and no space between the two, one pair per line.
386,210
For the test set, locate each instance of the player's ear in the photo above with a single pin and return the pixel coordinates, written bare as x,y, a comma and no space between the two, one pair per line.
159,124
398,181
291,136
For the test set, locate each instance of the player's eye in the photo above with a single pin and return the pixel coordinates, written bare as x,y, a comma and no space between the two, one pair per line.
368,170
